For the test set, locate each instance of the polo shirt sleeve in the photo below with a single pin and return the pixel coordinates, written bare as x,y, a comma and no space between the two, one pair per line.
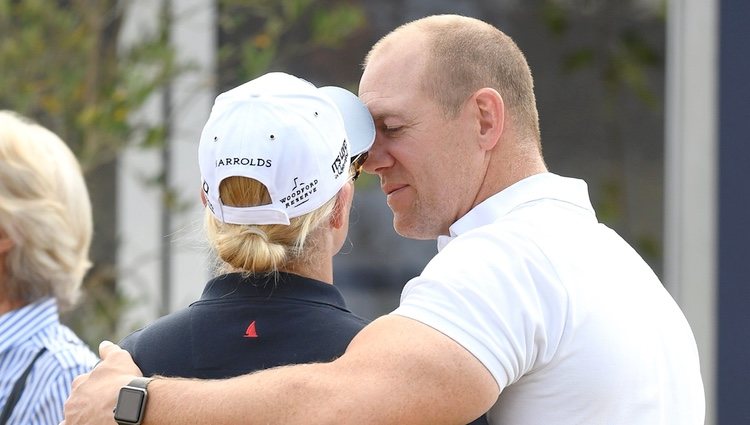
497,296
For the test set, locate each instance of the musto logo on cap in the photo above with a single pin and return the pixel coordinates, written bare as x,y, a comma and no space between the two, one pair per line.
340,163
300,193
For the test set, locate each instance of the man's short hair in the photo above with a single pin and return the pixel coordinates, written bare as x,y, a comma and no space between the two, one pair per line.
467,54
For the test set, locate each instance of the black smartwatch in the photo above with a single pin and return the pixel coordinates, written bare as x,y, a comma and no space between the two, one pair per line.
131,403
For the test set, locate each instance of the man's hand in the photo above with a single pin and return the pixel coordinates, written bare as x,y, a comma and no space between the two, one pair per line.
94,394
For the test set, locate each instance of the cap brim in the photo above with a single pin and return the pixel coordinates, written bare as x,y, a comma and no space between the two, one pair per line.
358,122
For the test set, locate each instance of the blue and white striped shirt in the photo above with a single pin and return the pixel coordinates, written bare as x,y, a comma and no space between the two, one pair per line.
23,332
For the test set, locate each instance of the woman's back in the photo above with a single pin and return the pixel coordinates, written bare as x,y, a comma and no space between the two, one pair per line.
243,324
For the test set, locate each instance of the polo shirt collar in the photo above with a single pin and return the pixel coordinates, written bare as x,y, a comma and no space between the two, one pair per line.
547,186
286,285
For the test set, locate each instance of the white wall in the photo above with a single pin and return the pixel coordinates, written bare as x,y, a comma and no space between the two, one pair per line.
690,238
145,232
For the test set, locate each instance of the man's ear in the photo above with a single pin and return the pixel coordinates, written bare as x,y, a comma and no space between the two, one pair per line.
490,110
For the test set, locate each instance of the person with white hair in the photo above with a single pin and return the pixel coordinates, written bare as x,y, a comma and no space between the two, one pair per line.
45,234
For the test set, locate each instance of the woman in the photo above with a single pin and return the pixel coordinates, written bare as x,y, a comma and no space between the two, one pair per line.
45,234
277,158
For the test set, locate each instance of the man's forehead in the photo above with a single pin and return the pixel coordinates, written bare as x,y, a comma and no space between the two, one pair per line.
385,99
382,107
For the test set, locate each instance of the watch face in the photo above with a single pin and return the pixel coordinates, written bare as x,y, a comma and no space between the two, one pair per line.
129,405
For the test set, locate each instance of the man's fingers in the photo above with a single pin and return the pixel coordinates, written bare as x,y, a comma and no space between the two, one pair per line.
79,380
95,393
114,360
112,356
110,350
107,347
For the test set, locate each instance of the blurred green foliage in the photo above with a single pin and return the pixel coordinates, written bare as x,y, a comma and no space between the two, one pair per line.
624,60
63,64
263,35
618,50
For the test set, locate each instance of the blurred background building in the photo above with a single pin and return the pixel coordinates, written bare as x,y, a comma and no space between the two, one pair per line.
647,100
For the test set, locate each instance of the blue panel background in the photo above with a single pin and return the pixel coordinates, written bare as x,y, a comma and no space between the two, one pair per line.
734,213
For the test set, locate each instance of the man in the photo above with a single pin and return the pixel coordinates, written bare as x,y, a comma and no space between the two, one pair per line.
45,233
531,308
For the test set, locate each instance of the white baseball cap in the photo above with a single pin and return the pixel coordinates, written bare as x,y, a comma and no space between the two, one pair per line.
295,138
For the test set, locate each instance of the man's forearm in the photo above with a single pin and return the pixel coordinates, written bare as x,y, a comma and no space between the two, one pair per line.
280,395
396,371
292,394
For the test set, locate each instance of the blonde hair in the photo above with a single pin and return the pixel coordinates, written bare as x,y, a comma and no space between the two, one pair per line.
465,55
261,248
45,210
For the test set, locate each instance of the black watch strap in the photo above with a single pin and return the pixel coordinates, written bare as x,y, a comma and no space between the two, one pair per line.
131,402
140,382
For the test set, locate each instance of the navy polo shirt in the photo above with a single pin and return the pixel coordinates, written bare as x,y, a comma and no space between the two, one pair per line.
243,324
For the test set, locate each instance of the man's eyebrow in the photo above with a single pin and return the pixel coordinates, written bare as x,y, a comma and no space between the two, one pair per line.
380,115
380,108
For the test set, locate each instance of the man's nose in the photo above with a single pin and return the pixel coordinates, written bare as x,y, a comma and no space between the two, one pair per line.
377,157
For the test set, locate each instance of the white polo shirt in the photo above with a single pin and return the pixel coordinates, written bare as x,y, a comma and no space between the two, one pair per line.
571,322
